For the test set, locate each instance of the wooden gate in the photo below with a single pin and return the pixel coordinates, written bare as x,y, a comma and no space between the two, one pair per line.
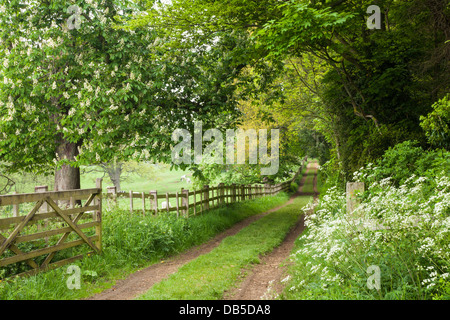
52,225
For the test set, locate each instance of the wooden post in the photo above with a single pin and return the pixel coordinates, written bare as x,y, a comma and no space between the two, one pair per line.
195,202
167,201
351,189
176,199
112,194
143,203
44,207
207,197
98,214
154,194
233,193
220,194
201,201
72,202
185,202
15,207
131,202
242,192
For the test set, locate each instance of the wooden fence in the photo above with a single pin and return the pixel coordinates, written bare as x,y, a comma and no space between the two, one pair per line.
49,222
198,201
53,224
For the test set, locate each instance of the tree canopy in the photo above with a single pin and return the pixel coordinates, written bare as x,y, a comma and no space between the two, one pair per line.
373,85
112,79
74,96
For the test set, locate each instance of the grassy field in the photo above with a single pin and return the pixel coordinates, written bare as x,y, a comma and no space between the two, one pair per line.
156,177
161,179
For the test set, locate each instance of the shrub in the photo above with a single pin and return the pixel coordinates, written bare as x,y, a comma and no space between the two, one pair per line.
404,160
293,187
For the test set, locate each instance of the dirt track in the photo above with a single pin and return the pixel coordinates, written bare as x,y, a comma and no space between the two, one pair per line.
253,286
264,280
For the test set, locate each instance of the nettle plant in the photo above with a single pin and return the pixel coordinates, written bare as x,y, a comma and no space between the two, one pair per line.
80,87
398,229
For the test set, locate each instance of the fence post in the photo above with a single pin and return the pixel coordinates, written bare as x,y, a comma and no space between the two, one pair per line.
233,192
167,201
195,202
15,207
143,203
351,189
206,197
201,201
112,193
266,189
176,199
220,193
98,214
131,202
185,202
242,192
154,193
44,207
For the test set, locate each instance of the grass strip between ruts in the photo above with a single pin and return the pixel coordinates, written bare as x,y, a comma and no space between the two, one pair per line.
208,276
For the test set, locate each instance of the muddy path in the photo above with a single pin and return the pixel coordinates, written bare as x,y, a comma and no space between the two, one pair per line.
264,280
142,280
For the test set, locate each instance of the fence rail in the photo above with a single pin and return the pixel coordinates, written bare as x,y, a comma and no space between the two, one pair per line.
53,224
201,200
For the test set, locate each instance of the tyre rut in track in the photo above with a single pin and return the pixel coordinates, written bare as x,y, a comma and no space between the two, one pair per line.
264,280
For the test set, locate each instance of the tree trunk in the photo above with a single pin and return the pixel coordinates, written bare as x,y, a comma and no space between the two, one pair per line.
114,172
67,177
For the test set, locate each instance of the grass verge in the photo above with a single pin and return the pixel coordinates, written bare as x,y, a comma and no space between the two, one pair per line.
208,276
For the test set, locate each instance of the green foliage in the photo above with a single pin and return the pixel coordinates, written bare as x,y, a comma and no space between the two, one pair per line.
405,160
437,124
111,91
293,187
